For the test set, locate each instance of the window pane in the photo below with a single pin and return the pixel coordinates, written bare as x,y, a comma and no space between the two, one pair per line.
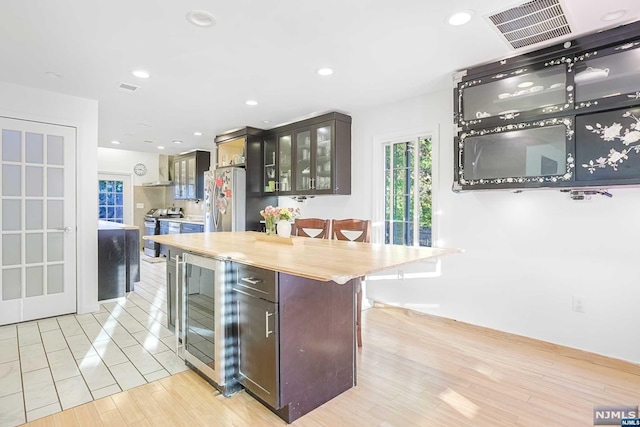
55,150
399,155
33,147
11,284
11,145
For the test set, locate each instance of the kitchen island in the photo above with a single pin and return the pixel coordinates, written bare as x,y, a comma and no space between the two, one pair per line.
290,312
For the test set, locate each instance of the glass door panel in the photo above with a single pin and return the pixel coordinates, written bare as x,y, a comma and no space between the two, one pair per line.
285,152
191,178
535,152
542,91
303,160
176,177
183,178
608,76
323,164
269,165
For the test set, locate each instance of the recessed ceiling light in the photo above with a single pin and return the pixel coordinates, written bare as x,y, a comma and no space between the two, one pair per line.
141,74
53,75
266,121
160,147
460,18
251,102
115,142
525,84
143,125
197,133
201,18
324,71
149,141
613,15
177,142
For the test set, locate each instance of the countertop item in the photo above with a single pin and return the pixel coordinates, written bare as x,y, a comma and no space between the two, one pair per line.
317,259
187,220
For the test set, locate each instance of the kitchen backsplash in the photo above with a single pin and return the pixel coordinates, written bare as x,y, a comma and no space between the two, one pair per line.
189,207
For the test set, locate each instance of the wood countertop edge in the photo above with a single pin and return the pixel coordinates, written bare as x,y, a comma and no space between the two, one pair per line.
361,258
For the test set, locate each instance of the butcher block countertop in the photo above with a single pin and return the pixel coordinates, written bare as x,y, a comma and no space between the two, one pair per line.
317,259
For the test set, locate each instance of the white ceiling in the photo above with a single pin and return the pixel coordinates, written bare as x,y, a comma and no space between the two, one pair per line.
267,50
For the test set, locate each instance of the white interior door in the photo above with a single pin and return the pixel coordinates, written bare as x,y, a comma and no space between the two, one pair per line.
38,220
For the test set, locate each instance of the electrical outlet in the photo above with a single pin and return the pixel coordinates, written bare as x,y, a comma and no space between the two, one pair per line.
578,304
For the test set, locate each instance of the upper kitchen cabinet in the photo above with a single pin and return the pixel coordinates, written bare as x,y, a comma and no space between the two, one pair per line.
243,148
188,175
516,95
312,156
564,116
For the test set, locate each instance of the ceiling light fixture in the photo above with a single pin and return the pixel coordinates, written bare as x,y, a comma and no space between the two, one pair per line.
525,84
201,18
141,74
53,75
324,71
460,18
613,15
177,142
197,133
266,121
115,142
251,102
160,147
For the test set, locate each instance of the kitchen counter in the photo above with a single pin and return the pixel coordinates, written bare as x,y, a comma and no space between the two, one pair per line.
318,259
187,220
118,259
108,225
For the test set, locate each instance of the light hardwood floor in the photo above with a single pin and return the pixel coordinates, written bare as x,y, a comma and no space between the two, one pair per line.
414,370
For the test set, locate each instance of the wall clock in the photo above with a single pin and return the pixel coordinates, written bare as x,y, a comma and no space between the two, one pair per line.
140,169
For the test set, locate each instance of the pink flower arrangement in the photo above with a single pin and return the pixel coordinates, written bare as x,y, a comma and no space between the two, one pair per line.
278,213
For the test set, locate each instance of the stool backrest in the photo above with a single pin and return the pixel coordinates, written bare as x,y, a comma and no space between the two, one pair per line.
303,227
355,230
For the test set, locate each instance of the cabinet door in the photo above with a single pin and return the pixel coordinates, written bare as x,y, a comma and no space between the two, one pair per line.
322,156
191,178
284,163
183,179
303,160
269,162
176,180
258,364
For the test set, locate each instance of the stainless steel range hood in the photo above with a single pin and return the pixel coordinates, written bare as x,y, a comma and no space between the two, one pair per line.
164,173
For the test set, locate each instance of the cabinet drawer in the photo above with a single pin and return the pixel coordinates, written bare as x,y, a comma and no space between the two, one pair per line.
192,228
256,282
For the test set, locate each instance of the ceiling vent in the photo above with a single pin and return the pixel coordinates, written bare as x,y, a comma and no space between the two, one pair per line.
129,88
531,23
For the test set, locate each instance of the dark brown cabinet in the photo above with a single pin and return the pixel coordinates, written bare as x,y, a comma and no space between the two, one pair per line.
309,157
188,175
565,116
295,339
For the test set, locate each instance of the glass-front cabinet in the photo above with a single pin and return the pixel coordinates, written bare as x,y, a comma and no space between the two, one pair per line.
314,165
525,154
514,95
188,175
303,160
284,163
608,77
269,164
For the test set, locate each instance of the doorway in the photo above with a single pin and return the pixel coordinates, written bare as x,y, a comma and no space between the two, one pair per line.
38,220
115,198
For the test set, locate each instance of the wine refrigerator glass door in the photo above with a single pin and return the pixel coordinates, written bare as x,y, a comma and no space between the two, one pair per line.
205,284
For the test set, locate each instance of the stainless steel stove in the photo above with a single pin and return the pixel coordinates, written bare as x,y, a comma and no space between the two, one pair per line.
152,227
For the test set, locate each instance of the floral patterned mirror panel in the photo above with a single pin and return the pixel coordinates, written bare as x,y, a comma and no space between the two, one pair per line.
608,76
508,97
608,145
516,155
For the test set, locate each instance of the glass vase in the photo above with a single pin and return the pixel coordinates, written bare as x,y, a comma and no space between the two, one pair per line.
270,226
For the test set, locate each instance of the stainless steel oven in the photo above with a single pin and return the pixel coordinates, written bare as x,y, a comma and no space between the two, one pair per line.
208,319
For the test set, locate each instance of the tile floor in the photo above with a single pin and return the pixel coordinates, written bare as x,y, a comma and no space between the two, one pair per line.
57,363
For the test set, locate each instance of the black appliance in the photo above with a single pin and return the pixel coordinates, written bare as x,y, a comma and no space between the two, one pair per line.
152,227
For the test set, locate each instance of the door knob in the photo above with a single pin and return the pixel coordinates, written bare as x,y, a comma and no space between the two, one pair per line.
65,229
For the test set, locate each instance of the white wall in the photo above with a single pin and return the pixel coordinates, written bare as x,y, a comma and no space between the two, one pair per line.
525,255
33,104
123,161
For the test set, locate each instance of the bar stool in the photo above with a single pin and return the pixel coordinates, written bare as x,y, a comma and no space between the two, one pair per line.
355,230
302,226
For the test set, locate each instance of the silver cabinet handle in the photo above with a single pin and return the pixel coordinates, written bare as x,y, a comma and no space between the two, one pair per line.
251,280
267,332
179,272
65,229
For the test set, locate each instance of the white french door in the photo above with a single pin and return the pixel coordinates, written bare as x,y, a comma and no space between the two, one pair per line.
37,220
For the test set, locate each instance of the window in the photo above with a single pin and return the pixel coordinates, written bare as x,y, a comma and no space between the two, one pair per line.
110,200
407,205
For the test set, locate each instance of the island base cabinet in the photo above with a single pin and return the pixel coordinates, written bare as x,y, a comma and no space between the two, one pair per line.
298,353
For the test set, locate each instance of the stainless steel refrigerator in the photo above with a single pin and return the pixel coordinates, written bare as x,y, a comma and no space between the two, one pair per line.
225,199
